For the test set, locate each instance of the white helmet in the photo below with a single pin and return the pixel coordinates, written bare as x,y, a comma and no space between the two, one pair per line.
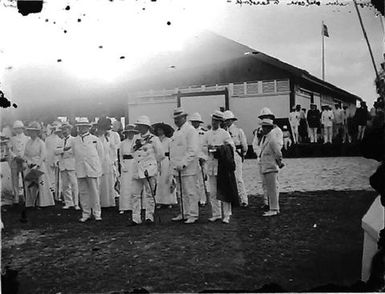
18,124
227,115
266,112
196,117
143,120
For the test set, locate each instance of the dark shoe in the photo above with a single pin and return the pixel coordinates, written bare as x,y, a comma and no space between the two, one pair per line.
132,224
265,207
149,222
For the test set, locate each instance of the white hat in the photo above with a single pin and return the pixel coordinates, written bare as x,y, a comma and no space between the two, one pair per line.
266,112
130,128
196,117
284,127
143,120
66,125
179,111
83,121
227,115
57,129
267,122
34,126
217,115
18,124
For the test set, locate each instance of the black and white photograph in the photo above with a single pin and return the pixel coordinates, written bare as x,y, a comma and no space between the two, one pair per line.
192,146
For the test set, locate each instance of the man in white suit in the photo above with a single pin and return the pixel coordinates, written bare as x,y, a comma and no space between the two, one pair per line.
184,164
67,169
240,142
88,152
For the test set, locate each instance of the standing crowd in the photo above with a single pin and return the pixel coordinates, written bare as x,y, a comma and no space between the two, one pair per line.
338,125
145,165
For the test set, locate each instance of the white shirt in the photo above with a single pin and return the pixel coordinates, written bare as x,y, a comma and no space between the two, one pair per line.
66,158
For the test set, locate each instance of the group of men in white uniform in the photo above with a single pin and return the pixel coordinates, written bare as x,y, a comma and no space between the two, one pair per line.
192,162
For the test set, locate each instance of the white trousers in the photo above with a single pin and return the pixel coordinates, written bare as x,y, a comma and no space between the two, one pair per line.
271,190
189,199
89,196
328,134
313,135
239,178
200,188
294,130
142,199
216,205
70,188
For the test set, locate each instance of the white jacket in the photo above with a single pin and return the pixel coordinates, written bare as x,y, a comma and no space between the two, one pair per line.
239,138
294,117
51,144
66,158
88,152
327,118
184,150
17,145
215,138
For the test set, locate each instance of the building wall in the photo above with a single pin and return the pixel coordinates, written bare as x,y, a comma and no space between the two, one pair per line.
247,110
157,111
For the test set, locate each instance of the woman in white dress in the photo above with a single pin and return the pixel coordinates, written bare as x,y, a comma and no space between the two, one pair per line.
37,192
107,180
126,160
163,194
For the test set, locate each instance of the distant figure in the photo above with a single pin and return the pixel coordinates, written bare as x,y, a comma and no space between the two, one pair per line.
286,137
338,127
327,122
302,129
361,118
294,118
346,134
313,121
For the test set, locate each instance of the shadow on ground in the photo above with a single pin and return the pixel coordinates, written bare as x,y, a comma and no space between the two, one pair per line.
316,240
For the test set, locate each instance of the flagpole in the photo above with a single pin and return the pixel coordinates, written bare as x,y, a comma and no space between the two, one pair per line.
366,38
323,51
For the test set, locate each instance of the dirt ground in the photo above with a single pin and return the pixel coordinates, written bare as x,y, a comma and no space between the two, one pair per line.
316,240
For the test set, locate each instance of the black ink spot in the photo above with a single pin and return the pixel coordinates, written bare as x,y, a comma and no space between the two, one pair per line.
54,22
122,57
14,105
153,0
79,20
9,68
65,31
84,14
46,20
68,7
169,23
4,102
59,60
100,47
143,8
27,7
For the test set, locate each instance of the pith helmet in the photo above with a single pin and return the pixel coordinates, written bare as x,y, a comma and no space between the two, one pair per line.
143,120
229,115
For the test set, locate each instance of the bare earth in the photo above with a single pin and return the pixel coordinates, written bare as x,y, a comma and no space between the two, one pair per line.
316,240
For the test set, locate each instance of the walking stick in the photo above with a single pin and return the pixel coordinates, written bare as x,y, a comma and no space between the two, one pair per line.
152,194
57,181
23,218
181,193
204,185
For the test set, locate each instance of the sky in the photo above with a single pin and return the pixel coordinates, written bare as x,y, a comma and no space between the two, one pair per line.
91,37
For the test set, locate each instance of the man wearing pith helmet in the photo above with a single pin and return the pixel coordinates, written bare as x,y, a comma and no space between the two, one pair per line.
147,152
270,158
88,152
184,166
16,152
196,121
240,142
212,141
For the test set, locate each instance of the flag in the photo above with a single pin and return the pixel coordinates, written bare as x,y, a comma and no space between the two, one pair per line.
325,30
